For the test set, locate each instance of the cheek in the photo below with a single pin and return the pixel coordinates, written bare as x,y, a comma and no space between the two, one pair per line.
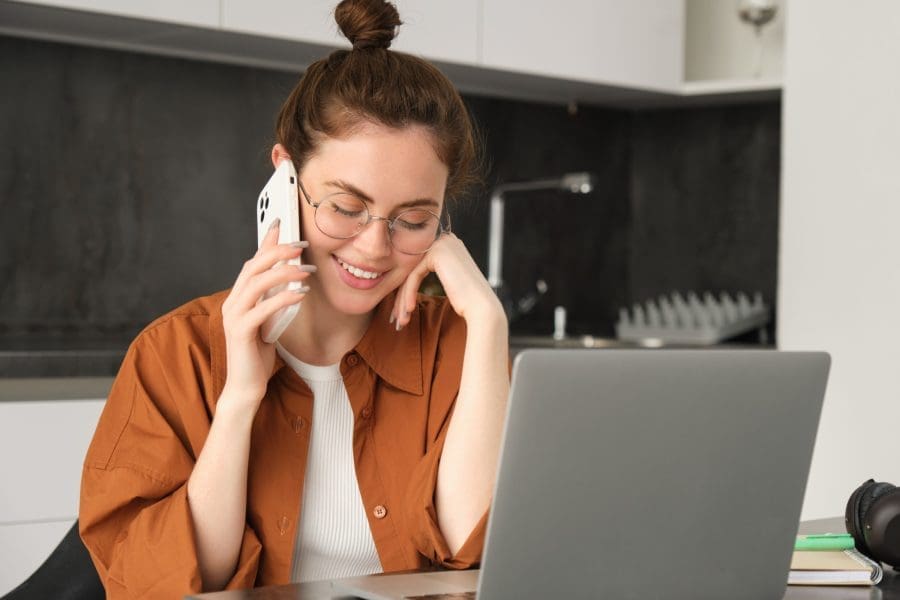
308,228
405,264
310,233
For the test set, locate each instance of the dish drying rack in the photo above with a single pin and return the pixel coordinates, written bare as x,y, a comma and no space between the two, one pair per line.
692,320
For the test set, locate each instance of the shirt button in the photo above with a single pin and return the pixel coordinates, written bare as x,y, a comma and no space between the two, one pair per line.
366,412
283,525
380,512
298,424
352,360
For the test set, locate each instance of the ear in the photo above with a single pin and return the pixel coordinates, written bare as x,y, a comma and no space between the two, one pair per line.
279,153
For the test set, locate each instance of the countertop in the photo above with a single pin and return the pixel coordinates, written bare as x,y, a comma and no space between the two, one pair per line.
19,389
41,369
59,356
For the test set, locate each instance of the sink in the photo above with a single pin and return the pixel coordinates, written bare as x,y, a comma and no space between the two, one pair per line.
517,343
520,342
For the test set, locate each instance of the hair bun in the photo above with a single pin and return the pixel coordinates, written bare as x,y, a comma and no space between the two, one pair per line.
368,23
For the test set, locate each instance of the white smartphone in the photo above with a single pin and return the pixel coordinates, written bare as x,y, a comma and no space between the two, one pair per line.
278,200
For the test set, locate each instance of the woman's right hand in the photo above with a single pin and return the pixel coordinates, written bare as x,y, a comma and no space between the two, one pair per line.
249,359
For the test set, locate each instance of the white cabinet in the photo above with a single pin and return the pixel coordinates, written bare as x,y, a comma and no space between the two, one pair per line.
440,30
437,29
637,44
198,13
307,21
624,53
43,444
24,547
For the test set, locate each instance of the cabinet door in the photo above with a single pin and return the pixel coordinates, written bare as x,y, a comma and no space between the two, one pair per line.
444,30
24,547
43,445
633,43
307,20
437,29
198,13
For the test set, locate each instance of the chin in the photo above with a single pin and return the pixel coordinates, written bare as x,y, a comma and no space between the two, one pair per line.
357,303
357,307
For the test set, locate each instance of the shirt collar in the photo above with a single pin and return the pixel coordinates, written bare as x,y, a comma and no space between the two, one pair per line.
395,356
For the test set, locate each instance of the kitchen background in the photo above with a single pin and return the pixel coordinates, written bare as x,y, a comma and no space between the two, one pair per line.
119,169
141,172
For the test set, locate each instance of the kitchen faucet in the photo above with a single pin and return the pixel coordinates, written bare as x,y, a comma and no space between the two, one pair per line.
576,183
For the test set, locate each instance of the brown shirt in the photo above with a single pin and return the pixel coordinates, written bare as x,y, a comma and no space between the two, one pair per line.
134,515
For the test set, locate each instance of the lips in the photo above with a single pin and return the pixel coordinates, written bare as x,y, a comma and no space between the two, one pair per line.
359,272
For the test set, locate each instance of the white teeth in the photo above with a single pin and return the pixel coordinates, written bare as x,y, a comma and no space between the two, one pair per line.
357,272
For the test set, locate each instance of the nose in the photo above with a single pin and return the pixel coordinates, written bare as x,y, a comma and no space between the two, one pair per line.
374,240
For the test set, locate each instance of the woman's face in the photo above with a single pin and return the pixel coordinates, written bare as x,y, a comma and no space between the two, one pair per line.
390,169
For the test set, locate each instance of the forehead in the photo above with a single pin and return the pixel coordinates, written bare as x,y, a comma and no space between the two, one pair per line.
385,163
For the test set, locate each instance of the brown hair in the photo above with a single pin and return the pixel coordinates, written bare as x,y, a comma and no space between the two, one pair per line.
371,83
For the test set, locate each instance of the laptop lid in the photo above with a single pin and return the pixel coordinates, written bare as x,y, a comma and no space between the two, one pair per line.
632,473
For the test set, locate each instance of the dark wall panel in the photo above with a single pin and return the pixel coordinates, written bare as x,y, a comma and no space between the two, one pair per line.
576,243
704,200
127,185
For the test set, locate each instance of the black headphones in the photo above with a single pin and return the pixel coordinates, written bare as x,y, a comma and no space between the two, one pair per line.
873,519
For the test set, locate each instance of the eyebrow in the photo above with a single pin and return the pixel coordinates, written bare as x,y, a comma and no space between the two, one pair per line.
349,187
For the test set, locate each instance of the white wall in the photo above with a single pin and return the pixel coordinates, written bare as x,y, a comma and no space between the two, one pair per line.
839,279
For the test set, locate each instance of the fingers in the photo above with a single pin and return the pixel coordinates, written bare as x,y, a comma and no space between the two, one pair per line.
257,285
256,316
268,254
405,301
271,237
266,258
246,310
263,272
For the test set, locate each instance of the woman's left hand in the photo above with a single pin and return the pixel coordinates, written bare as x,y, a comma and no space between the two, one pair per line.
468,291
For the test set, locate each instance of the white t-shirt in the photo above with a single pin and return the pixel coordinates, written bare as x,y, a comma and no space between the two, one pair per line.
333,539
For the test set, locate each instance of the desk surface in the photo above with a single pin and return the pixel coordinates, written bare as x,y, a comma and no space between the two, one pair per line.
888,589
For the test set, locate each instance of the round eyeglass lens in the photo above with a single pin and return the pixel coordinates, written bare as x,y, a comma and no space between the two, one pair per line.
343,216
413,231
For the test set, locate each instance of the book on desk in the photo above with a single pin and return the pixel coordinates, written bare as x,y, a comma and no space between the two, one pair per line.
833,567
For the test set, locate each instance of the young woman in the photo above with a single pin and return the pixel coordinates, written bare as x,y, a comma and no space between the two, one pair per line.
366,438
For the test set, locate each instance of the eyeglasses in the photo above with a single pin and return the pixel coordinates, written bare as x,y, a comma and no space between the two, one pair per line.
343,215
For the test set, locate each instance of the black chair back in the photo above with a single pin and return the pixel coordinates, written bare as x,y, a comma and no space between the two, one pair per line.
67,574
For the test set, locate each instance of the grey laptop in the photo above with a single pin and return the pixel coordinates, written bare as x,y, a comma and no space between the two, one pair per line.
642,474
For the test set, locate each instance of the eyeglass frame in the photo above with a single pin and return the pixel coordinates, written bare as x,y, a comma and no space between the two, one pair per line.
370,217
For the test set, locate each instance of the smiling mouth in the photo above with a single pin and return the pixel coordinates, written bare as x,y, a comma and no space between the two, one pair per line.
357,272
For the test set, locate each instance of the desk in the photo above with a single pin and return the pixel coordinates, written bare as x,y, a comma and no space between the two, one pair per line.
888,589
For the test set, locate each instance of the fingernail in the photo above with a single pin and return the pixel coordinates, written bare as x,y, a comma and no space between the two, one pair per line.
398,325
308,268
301,290
391,320
301,244
275,224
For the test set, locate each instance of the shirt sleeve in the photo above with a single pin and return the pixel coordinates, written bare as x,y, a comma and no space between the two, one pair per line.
427,535
421,512
134,515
